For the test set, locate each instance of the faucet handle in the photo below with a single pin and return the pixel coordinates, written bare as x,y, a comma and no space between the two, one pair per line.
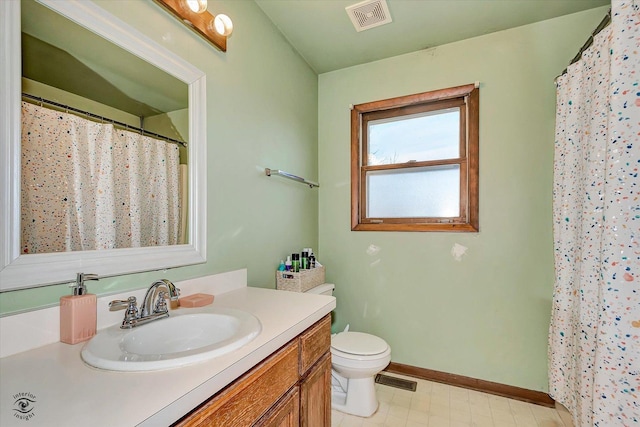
161,303
132,310
119,304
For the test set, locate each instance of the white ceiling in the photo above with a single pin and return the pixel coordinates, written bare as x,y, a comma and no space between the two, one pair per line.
321,31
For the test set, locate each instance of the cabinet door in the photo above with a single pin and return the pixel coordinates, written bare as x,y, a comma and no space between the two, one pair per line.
314,342
286,413
248,398
315,395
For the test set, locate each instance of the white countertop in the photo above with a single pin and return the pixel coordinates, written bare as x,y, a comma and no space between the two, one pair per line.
67,392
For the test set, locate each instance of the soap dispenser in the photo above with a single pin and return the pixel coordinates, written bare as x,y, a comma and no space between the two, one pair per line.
78,312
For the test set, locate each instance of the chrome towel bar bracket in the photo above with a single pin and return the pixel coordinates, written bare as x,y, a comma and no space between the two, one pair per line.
288,175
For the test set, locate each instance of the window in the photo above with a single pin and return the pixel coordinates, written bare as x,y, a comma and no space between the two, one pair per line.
414,162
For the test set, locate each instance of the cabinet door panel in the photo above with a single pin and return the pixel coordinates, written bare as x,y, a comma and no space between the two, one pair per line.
314,342
246,400
315,395
286,413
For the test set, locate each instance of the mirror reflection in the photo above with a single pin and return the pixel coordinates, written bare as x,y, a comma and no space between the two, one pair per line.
104,137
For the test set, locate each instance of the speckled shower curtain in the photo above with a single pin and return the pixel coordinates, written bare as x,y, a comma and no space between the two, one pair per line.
594,338
89,186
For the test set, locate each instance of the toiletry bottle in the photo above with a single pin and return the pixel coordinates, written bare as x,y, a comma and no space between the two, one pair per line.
312,258
281,267
295,263
78,312
304,260
287,264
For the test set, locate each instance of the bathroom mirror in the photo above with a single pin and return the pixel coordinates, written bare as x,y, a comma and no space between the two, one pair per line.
75,85
20,270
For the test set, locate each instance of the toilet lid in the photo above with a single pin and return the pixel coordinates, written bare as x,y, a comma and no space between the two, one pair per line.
358,343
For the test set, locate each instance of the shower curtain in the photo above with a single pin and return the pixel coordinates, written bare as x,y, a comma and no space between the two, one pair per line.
89,186
594,337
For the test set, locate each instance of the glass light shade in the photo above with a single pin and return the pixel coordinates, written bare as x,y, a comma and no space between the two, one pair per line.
196,6
222,25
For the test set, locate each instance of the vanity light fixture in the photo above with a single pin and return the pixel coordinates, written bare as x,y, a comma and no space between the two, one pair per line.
196,6
222,25
213,28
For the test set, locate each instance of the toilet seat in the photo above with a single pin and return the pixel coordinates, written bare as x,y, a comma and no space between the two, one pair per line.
358,344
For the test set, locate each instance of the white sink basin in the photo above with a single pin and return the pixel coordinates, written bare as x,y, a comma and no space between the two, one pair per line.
172,342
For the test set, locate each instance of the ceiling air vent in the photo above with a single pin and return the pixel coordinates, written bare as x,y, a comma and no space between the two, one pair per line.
369,14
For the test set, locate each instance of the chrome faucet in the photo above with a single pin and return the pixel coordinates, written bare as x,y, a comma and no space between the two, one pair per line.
160,304
153,307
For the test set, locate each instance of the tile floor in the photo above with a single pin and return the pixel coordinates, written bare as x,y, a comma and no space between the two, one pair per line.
440,405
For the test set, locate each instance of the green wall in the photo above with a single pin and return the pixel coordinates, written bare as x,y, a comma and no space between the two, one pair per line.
173,124
261,112
485,316
51,93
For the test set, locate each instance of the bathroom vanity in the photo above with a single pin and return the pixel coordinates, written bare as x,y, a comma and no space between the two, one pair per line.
280,378
289,388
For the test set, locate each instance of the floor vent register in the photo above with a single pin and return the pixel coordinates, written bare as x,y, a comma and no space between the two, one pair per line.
396,382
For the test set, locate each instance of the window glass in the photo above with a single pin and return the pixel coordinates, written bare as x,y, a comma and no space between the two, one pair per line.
414,193
433,135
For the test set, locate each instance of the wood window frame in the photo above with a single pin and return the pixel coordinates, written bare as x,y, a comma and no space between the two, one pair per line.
467,97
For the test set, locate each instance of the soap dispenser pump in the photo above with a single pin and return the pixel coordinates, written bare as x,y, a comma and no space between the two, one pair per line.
78,312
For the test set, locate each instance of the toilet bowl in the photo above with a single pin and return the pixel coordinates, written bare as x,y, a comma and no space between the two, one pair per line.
356,358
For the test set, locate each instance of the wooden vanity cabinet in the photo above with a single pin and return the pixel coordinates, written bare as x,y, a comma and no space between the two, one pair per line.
286,413
292,387
315,395
315,375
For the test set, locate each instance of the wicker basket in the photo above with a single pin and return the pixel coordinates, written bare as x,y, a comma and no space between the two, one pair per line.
299,282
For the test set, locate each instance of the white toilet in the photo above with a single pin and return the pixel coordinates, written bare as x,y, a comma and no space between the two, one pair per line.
356,358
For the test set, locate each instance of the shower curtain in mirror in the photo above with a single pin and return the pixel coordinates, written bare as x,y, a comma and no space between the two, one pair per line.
594,337
87,185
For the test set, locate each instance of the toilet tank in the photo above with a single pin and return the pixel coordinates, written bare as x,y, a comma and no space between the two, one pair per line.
324,289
